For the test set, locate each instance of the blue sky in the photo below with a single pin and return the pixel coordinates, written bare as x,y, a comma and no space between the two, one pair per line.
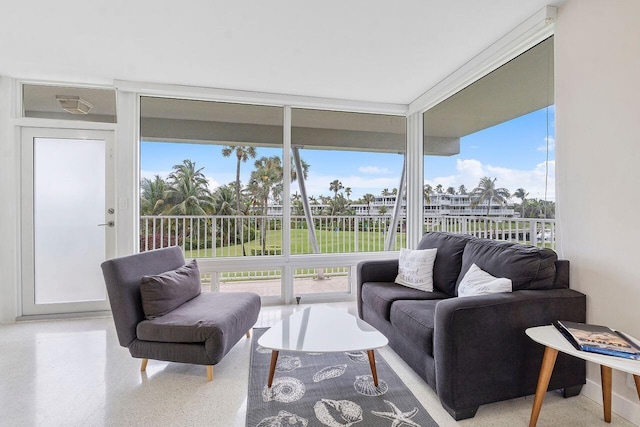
514,152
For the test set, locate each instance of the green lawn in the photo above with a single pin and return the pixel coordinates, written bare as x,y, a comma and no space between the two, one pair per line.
328,241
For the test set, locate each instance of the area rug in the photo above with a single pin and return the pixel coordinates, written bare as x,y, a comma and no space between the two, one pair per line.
328,389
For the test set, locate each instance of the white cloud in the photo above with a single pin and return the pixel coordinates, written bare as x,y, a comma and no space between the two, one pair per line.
469,173
374,170
552,144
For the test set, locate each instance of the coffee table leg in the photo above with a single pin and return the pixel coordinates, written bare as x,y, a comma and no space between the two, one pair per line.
636,378
605,376
272,368
548,361
372,362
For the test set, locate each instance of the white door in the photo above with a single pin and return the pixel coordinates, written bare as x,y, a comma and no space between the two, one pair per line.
68,215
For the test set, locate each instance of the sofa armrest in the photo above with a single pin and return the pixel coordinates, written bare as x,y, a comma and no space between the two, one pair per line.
480,346
375,271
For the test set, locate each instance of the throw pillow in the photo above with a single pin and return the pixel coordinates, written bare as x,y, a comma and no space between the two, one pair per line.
478,282
415,268
164,292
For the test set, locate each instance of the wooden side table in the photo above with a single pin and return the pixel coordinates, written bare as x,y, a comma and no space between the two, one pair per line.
554,342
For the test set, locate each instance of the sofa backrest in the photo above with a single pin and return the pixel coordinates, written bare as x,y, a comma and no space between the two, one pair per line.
446,268
528,267
122,277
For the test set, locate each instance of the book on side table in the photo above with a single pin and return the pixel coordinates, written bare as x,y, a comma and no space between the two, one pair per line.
598,339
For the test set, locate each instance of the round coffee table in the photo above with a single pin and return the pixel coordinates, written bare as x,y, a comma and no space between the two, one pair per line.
321,329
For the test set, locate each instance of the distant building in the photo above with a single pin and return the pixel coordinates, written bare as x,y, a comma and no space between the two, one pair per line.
438,205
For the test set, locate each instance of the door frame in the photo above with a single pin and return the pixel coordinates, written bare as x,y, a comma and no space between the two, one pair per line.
27,136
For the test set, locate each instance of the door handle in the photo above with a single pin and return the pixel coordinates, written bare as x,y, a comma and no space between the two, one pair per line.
108,224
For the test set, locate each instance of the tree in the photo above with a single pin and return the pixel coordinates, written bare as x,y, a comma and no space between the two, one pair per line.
243,153
385,192
339,206
439,189
451,190
188,190
427,190
335,186
462,190
348,192
521,194
263,183
152,196
394,191
486,192
368,198
224,200
383,210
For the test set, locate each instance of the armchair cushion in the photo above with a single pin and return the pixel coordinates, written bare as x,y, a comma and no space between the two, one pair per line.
164,292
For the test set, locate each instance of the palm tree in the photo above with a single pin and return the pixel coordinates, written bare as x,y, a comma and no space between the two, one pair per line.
451,190
427,190
385,192
335,186
348,192
521,194
439,189
188,190
382,210
486,192
368,198
152,196
462,190
223,200
394,191
264,183
243,153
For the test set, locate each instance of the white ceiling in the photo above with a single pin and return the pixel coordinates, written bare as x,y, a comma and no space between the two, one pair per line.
367,50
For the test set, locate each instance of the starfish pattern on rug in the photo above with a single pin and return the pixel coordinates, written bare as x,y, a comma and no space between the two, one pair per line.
398,417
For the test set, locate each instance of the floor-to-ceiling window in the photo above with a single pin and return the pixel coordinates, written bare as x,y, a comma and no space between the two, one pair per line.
347,190
489,154
210,174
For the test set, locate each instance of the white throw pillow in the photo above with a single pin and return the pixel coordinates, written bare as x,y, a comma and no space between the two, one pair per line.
415,268
478,282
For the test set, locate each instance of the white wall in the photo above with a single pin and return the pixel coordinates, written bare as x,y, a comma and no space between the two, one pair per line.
9,223
597,85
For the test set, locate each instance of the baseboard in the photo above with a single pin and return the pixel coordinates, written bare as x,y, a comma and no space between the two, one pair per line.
619,405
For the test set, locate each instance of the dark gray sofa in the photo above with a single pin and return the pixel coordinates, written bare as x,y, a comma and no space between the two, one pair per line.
473,350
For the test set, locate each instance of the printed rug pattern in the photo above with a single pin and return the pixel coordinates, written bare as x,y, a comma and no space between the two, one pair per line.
328,389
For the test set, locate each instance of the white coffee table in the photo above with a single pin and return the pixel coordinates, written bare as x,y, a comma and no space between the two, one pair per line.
321,329
554,342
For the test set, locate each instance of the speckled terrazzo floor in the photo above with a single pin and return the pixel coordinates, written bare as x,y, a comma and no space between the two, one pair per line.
73,372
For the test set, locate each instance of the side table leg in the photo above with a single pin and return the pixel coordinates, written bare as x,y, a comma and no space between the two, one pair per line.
372,362
605,376
272,368
548,361
636,378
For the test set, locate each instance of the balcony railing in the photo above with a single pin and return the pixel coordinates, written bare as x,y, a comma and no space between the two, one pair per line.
235,236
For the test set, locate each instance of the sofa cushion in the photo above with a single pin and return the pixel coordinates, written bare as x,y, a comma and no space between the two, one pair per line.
380,295
415,321
446,268
528,267
163,292
209,316
478,282
415,268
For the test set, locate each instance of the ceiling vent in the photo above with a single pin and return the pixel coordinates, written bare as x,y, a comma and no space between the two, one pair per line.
74,104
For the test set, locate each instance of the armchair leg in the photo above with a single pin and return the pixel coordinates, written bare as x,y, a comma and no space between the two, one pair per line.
249,333
143,366
209,373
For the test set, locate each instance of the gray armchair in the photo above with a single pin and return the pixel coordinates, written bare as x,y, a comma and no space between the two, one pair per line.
200,331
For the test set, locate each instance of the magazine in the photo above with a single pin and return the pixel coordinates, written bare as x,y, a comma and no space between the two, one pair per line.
598,339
